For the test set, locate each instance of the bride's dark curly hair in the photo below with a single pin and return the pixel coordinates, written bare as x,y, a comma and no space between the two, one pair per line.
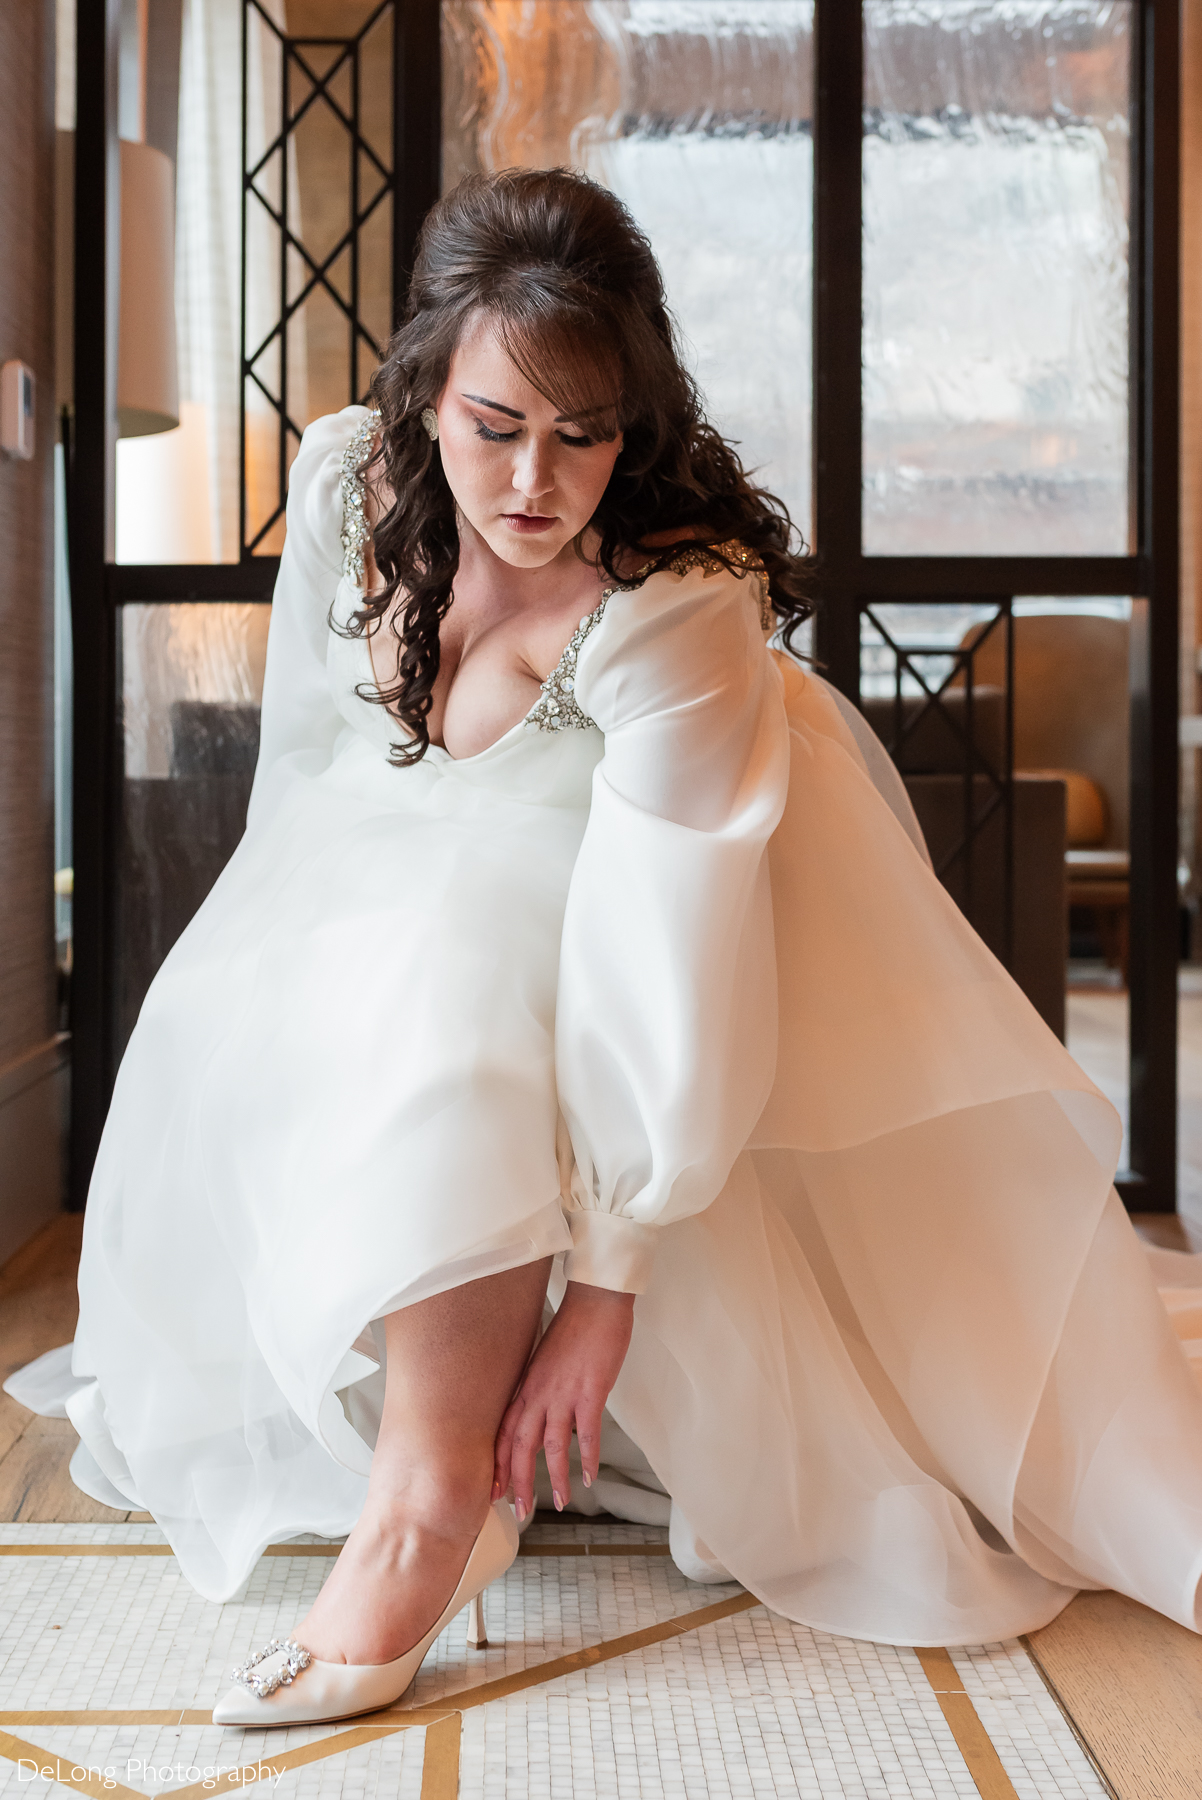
564,275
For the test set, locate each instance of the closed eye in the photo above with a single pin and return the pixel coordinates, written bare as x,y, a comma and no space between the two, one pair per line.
494,437
506,437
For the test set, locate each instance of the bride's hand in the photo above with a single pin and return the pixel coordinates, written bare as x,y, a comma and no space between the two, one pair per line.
567,1381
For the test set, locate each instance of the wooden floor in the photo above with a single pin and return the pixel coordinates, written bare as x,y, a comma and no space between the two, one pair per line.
38,1309
1129,1682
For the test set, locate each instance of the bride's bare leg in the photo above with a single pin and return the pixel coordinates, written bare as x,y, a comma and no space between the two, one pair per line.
453,1363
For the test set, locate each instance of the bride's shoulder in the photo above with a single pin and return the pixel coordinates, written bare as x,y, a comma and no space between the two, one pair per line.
691,551
682,605
335,441
326,487
687,622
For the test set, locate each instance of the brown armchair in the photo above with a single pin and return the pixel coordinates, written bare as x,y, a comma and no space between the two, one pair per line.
1071,718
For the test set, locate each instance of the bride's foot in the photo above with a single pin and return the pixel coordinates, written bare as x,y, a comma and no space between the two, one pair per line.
394,1577
284,1683
390,1583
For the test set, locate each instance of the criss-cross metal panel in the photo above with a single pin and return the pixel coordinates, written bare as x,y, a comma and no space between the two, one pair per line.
314,75
935,673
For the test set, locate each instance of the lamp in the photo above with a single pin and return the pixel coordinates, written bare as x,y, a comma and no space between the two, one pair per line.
147,369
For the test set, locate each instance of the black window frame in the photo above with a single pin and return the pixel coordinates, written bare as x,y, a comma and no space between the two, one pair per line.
848,579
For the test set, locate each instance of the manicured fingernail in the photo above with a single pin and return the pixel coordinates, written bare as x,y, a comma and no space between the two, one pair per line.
588,1480
557,1500
519,1507
496,1491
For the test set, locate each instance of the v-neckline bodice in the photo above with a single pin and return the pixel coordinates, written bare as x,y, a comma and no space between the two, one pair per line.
554,711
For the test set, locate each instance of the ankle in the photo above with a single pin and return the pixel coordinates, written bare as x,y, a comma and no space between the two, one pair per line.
448,1502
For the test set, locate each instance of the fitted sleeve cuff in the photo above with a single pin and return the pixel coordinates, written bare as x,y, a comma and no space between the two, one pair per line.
609,1251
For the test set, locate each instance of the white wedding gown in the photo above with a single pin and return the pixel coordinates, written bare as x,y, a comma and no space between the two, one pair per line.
669,989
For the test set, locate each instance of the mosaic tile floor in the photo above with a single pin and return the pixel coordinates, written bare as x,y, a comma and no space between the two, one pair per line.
745,1705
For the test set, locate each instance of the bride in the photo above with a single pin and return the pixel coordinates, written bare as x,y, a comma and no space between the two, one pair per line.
582,952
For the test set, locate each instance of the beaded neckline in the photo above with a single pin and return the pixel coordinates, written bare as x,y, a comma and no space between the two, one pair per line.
557,708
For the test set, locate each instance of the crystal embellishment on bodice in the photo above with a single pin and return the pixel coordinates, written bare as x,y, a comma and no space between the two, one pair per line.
711,561
557,708
354,498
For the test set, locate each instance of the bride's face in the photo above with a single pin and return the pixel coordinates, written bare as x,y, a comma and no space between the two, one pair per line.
524,476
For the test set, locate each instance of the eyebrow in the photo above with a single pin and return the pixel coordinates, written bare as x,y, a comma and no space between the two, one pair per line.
562,419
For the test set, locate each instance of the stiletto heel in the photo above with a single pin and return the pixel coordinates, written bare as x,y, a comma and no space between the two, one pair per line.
283,1684
477,1636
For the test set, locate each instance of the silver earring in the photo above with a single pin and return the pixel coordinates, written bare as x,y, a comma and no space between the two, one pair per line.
430,421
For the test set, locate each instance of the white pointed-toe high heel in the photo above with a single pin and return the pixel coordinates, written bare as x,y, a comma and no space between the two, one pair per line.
284,1685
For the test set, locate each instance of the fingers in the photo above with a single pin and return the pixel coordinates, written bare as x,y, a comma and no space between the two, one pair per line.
524,1447
561,1385
588,1436
557,1442
517,1444
503,1448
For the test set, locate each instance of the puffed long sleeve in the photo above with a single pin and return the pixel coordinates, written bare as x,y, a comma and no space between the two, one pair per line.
666,1011
300,720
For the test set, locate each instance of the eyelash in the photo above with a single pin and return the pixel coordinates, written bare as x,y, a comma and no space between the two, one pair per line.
507,437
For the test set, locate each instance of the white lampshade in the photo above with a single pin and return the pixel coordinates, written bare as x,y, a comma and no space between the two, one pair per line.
147,368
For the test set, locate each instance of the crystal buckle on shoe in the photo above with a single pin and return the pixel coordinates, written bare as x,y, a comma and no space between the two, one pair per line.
298,1658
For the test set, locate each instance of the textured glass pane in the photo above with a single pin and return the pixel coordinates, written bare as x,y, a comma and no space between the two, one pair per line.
192,683
698,113
995,276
